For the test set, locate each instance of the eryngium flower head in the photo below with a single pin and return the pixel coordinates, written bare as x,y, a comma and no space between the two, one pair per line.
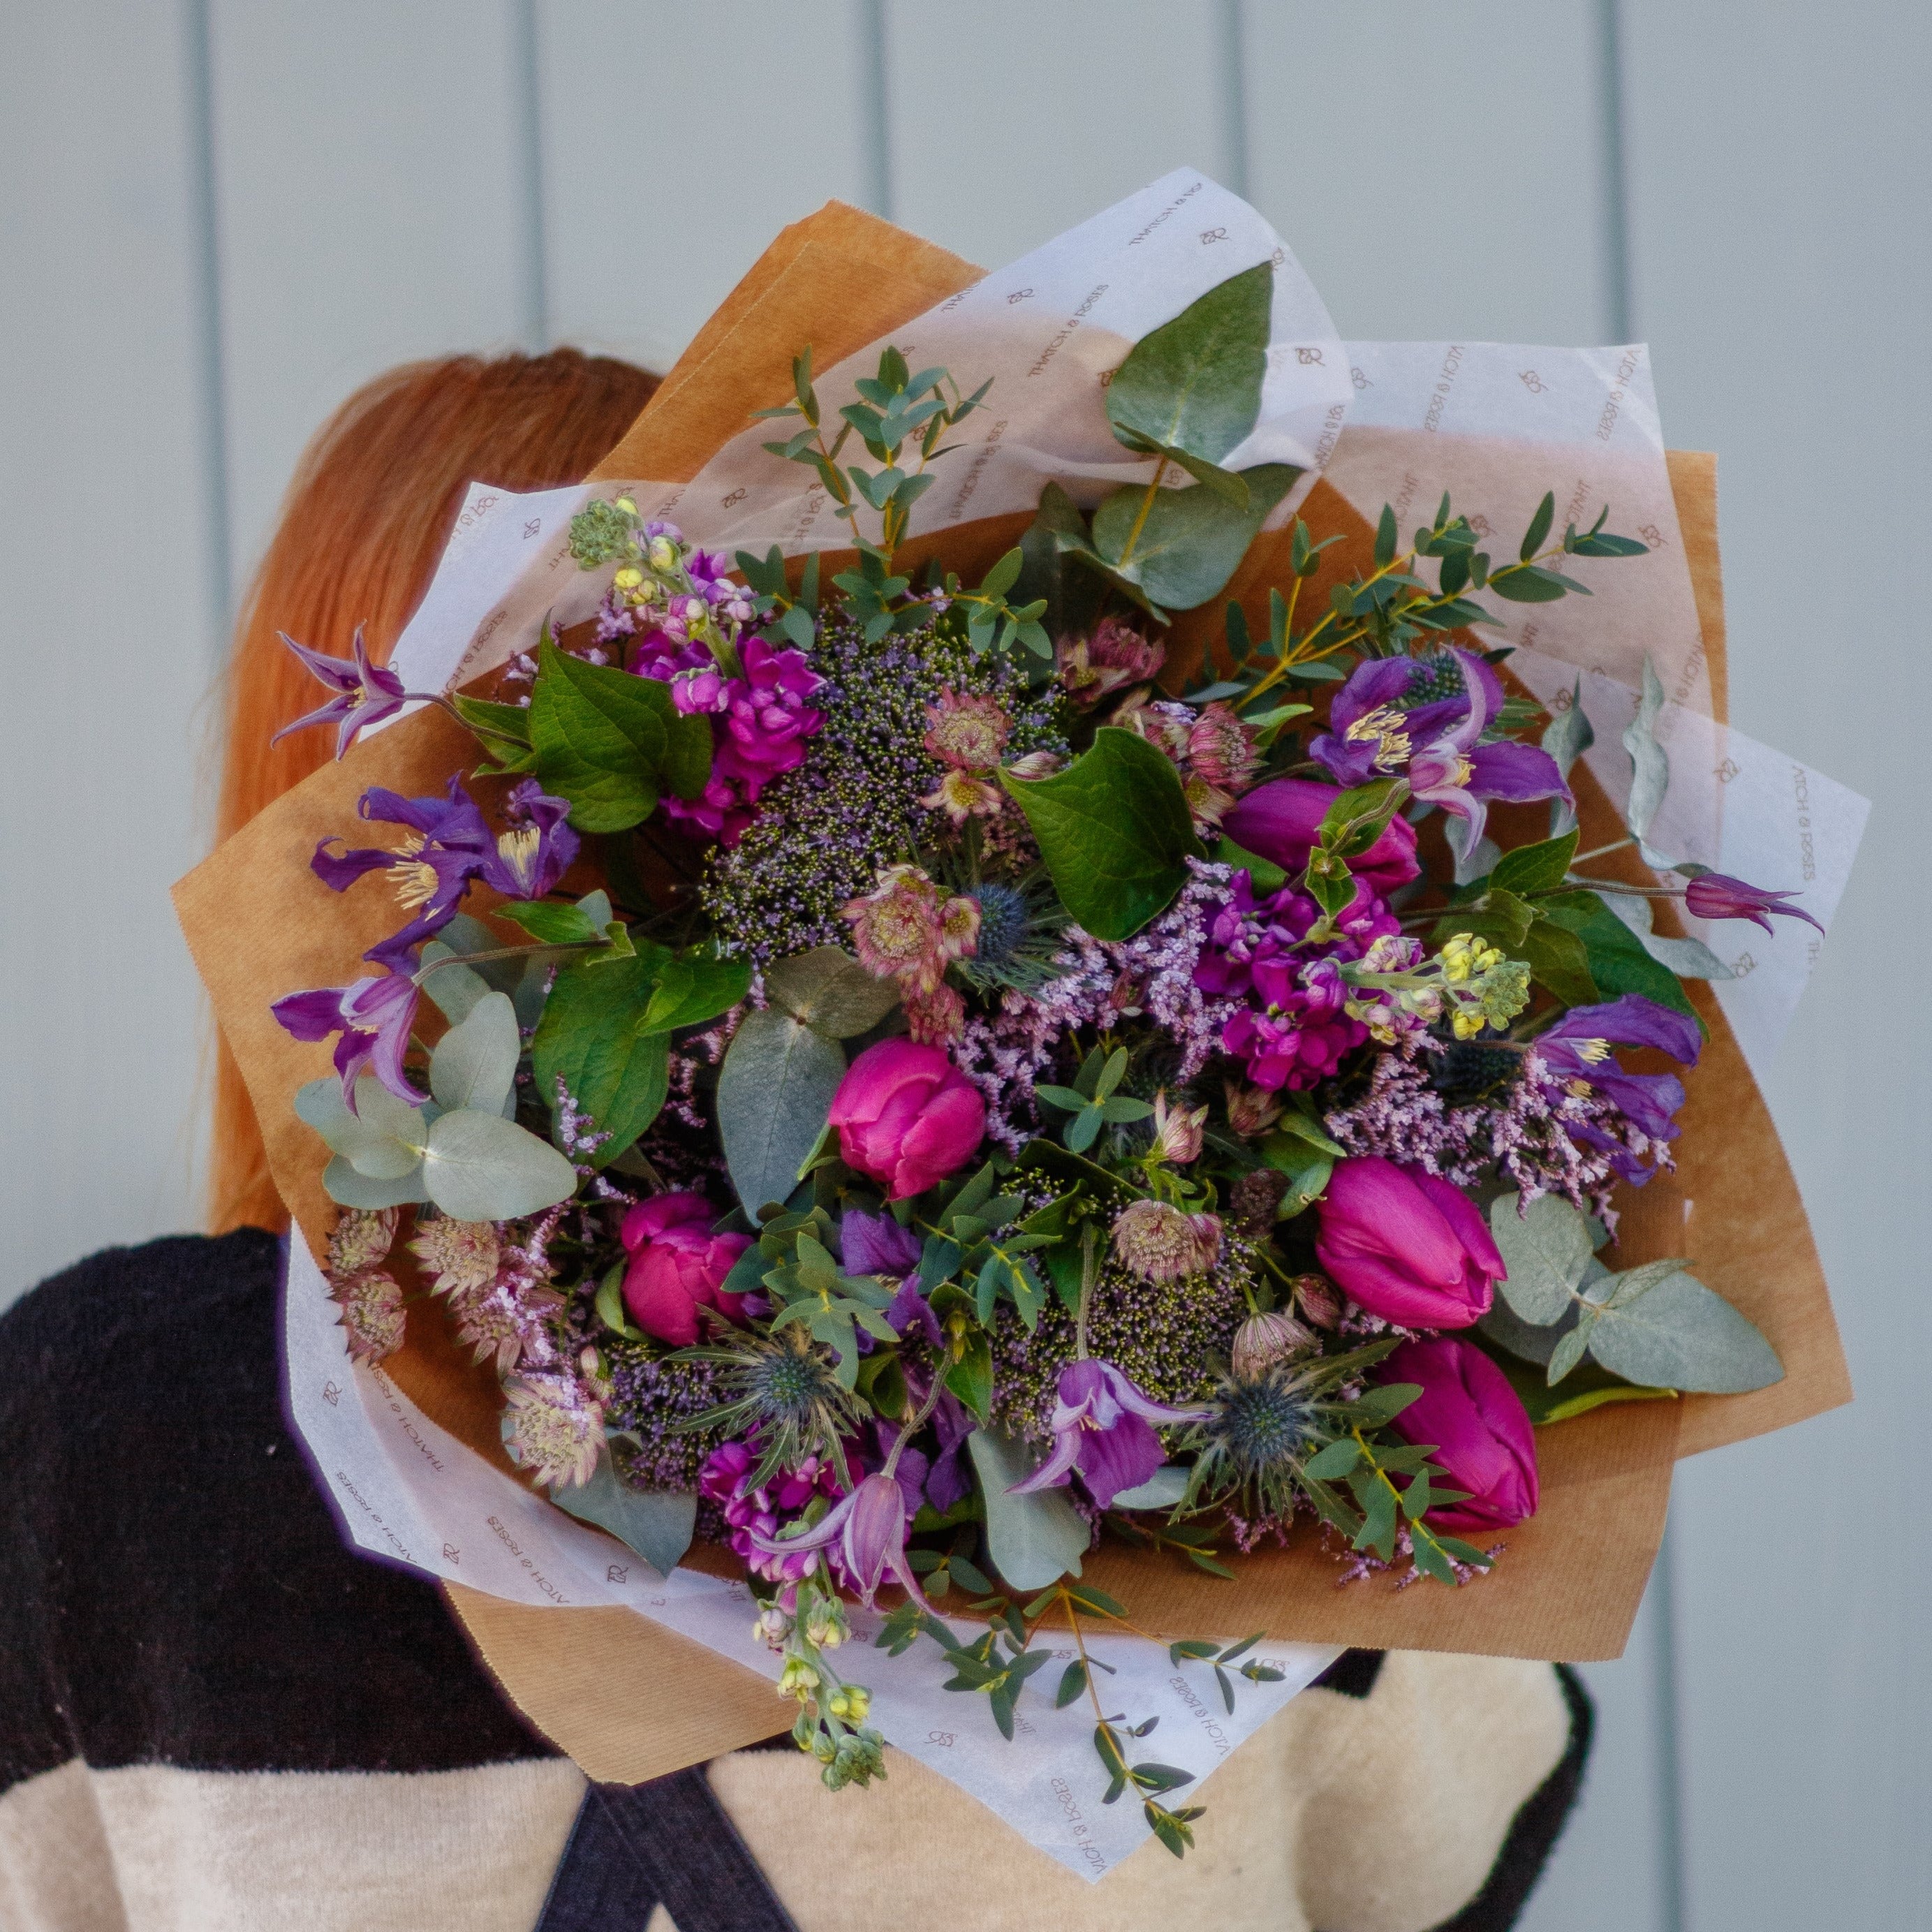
556,1429
783,1392
1262,1432
1159,1242
460,1256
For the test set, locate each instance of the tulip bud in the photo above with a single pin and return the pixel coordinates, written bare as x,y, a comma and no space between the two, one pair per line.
1408,1245
1481,1432
907,1116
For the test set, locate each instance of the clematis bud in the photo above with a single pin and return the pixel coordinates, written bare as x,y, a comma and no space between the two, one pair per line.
678,1266
1718,896
1482,1434
1264,1339
1159,1242
907,1116
1409,1246
868,1530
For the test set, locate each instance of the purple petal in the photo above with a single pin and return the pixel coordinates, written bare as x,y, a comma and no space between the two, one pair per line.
876,1244
1515,773
338,871
339,673
312,1016
1634,1021
1120,1458
909,1309
1056,1468
1131,1399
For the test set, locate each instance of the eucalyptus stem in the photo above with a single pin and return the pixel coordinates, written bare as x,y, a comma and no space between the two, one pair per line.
506,953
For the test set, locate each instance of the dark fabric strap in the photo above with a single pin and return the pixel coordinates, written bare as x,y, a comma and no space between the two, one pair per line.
634,1847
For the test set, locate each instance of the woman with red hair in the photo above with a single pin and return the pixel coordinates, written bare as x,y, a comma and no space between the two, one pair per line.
214,1715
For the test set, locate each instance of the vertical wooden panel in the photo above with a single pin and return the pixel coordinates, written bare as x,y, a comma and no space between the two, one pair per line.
1438,170
676,143
1781,169
1011,121
372,209
106,623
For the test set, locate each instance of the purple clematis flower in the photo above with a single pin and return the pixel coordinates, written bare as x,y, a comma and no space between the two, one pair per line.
1373,734
1100,1427
365,693
947,1481
876,1244
1718,896
528,860
1576,1054
868,1527
374,1016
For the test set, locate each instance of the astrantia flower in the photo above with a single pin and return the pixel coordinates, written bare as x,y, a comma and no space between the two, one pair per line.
1264,1339
1160,1242
1374,732
1114,656
372,1314
360,1240
461,1256
1100,1426
1252,1111
556,1429
1176,1131
933,1018
1221,750
1252,1199
961,796
906,929
968,731
365,693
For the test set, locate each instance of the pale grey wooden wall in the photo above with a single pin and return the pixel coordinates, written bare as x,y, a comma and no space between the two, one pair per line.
218,216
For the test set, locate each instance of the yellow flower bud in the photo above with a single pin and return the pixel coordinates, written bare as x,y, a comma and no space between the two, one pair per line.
624,503
628,578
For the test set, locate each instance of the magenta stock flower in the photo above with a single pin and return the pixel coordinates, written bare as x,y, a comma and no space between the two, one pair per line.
1479,1431
1407,1245
1281,821
365,693
678,1266
752,1513
1718,896
1101,1427
906,1117
865,1532
1375,732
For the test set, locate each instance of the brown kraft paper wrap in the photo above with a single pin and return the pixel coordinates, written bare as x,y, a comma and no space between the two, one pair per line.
260,924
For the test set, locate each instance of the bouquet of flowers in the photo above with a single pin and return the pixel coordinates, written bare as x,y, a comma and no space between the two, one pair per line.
898,1075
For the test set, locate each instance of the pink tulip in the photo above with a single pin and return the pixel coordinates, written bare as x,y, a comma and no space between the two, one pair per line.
1483,1438
1407,1245
907,1116
1282,821
678,1266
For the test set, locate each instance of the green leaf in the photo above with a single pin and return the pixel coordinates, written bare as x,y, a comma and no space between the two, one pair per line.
1559,960
588,1037
1497,916
774,1091
1688,959
1539,526
1618,961
970,1379
1586,1388
1334,1460
1678,1334
475,1063
687,763
610,1305
455,989
1182,547
656,1523
1650,764
1073,1684
1385,538
1546,1249
550,922
1115,830
1266,876
693,989
481,1167
1034,1540
830,992
1195,383
383,1140
601,737
1307,1166
1568,1351
1536,869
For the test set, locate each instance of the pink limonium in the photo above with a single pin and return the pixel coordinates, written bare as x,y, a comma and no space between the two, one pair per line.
365,693
1481,1433
1409,1246
906,1117
866,1532
678,1266
1102,1427
1718,896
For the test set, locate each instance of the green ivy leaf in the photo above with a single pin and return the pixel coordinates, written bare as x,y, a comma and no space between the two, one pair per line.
588,1035
1531,869
601,739
1115,830
1618,962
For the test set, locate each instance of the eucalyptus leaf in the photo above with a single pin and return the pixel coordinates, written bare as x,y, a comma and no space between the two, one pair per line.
455,989
1650,764
1679,1334
1034,1540
475,1064
481,1167
1162,1490
464,934
774,1091
1181,546
383,1140
831,992
1195,383
1566,738
1569,1351
1526,1340
344,1186
1115,830
1546,1249
658,1524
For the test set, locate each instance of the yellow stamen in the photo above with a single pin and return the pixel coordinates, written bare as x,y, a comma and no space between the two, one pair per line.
1384,725
1591,1051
